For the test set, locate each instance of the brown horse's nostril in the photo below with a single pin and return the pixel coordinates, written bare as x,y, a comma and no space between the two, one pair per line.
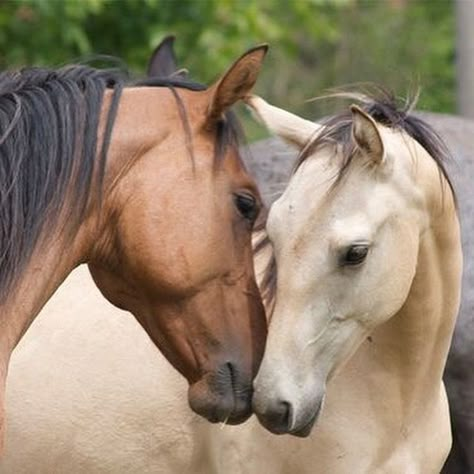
233,376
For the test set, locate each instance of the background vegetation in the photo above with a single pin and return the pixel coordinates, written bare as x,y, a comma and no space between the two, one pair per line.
315,44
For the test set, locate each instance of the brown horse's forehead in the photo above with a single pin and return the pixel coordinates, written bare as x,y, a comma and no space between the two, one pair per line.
165,103
195,103
234,163
156,104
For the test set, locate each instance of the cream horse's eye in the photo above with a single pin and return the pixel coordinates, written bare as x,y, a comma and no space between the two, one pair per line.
355,255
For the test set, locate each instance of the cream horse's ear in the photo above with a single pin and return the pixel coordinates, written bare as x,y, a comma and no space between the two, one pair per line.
293,129
366,135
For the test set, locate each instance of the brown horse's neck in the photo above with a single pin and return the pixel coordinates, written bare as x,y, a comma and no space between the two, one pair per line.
47,269
49,266
58,253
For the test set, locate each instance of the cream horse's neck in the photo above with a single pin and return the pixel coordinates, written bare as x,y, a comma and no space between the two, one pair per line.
417,339
395,377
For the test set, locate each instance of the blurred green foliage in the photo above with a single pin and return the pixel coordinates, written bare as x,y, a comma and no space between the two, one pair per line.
315,44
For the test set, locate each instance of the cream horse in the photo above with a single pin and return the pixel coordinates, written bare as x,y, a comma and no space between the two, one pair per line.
383,235
367,244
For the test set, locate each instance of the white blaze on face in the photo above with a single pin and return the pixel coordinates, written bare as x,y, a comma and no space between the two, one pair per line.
346,256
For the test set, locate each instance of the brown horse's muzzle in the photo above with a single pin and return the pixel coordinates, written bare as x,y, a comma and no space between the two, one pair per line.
223,396
214,337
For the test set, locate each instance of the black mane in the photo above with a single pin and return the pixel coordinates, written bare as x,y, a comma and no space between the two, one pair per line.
385,109
49,149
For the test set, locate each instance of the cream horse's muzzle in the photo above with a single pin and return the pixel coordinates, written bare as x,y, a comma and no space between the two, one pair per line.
281,416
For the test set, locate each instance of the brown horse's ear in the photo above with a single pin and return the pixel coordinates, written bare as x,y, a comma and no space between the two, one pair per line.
163,60
366,135
236,83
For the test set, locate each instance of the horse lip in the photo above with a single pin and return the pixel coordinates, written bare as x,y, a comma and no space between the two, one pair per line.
239,395
238,419
305,430
232,417
221,397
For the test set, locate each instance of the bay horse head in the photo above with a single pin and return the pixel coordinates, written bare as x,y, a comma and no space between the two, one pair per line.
144,182
182,243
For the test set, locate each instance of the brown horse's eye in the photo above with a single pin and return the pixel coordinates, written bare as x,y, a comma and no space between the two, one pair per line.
247,206
355,254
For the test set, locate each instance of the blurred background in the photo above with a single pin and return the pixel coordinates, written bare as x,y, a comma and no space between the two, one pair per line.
315,44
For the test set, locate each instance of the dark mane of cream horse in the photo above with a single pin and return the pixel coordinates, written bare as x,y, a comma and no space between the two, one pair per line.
144,182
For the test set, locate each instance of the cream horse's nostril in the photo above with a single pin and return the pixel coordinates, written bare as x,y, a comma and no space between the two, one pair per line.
289,416
277,416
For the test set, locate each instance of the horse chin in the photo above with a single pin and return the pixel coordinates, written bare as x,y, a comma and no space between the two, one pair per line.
305,429
240,418
220,402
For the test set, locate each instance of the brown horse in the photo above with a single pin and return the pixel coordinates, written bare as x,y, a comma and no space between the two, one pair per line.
144,182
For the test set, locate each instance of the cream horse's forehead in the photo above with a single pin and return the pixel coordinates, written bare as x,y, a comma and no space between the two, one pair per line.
354,207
